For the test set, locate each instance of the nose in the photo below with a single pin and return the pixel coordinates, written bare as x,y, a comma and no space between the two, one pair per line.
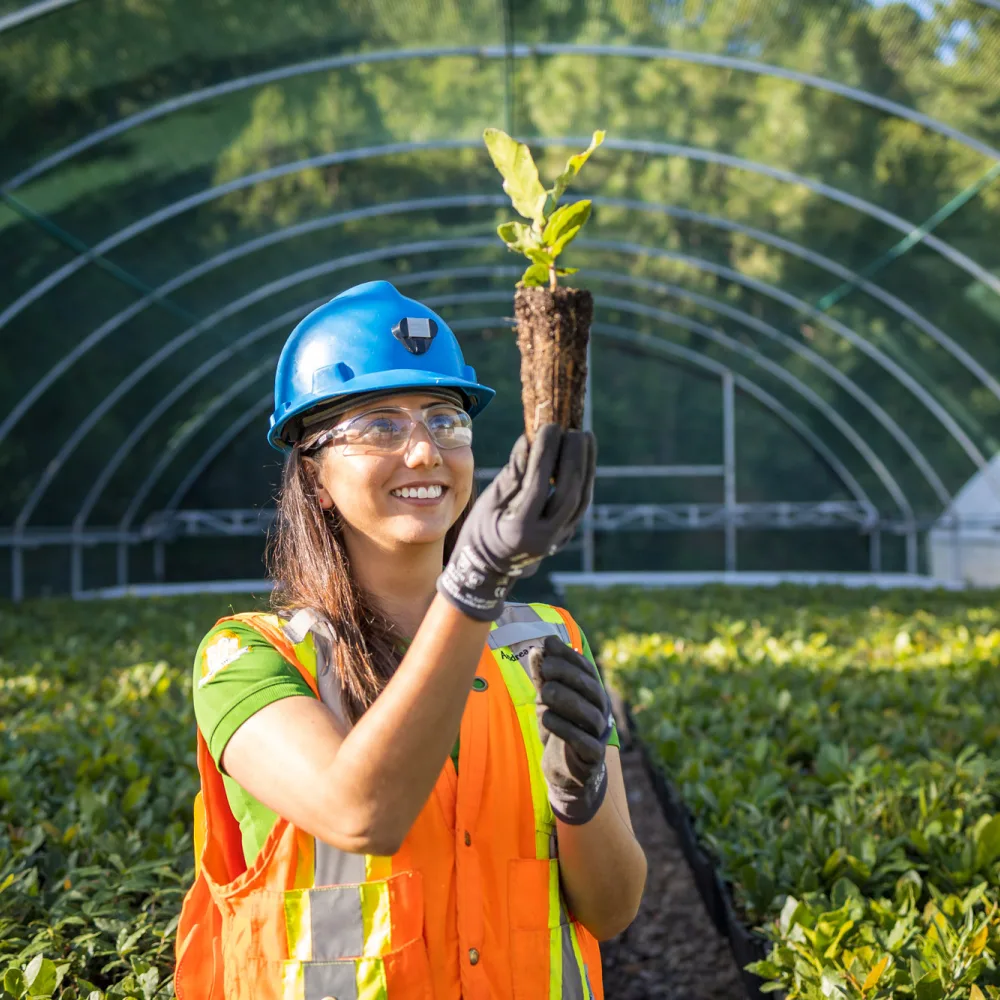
421,449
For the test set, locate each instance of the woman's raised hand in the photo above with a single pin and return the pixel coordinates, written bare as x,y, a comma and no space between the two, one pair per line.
528,512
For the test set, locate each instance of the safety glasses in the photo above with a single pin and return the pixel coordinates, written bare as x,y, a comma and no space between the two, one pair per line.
387,430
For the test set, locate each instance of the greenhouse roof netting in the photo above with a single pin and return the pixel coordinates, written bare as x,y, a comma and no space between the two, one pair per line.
801,197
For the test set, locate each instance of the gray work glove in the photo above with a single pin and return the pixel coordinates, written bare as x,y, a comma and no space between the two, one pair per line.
575,721
528,512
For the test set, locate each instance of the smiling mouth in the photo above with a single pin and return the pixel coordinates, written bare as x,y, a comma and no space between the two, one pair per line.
419,492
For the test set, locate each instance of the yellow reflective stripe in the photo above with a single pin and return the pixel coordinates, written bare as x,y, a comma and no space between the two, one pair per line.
298,924
522,693
548,614
377,866
555,935
305,861
305,652
293,984
376,919
200,830
370,973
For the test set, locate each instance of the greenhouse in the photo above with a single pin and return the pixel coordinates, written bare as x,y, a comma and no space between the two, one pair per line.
793,377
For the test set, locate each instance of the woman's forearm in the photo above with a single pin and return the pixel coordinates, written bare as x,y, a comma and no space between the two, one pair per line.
602,866
388,764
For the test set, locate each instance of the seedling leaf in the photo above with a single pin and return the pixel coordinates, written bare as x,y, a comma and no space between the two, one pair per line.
573,165
536,276
566,218
520,175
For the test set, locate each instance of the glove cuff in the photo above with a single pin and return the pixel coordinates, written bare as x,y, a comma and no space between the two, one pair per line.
580,807
473,585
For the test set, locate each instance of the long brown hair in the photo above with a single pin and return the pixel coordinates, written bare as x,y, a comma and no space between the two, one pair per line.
308,561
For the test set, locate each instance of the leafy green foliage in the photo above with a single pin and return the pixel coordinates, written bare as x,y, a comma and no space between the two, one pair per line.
552,227
97,777
839,753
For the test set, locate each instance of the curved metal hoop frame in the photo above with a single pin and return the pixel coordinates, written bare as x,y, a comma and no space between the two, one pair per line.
857,441
643,284
776,370
355,59
466,201
355,155
328,267
633,339
926,398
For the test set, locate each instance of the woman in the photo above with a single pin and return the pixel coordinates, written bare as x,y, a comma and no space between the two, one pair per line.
410,787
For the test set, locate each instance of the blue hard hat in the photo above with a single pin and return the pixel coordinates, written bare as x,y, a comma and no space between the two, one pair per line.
367,339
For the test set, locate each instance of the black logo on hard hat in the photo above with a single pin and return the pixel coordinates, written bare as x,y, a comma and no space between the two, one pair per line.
415,333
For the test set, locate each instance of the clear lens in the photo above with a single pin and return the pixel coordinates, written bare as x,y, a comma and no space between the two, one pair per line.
450,428
387,431
377,431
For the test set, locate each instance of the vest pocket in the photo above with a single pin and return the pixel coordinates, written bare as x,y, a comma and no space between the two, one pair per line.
357,941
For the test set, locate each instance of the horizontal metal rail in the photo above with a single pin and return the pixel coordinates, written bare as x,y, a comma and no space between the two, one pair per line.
639,472
166,526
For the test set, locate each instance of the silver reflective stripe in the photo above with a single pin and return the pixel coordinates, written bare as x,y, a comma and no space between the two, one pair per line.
334,867
515,632
572,985
336,923
297,627
329,979
553,846
515,612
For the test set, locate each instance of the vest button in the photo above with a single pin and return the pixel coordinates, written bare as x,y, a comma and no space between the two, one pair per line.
468,839
473,956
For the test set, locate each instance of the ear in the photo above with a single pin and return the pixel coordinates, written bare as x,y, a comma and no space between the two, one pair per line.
313,469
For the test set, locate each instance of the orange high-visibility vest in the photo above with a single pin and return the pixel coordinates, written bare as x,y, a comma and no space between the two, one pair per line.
470,908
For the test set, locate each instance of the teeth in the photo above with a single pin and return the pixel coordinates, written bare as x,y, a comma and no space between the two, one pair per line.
419,492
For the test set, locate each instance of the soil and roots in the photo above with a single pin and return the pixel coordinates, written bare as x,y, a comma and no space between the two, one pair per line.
553,328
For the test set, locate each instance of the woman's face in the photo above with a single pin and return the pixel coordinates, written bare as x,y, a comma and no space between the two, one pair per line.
366,488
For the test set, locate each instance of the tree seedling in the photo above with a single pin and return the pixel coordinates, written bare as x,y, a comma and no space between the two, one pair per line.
551,227
553,322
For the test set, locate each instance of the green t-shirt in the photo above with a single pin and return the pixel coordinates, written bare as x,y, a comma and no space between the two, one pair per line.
236,673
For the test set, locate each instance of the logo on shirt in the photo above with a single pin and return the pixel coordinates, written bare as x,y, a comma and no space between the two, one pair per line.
224,649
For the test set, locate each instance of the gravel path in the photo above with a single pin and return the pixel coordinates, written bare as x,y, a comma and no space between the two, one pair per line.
671,951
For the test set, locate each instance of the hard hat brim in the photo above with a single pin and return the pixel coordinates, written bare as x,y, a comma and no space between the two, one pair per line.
476,396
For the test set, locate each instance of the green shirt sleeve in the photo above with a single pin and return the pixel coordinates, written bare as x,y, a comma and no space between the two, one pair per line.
613,740
236,673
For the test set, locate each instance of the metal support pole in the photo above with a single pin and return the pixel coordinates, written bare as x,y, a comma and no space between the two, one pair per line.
729,466
159,562
956,549
76,569
587,550
875,550
17,574
911,547
122,564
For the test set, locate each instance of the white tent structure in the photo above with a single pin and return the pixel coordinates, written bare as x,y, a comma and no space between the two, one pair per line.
964,544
